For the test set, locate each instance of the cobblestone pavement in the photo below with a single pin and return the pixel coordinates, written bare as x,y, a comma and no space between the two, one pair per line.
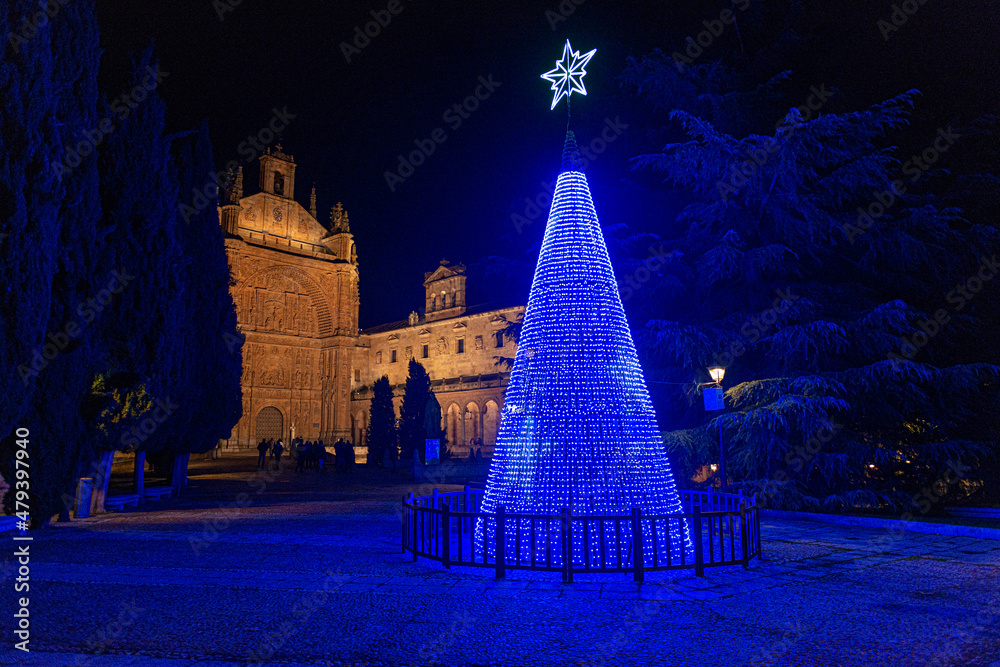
307,569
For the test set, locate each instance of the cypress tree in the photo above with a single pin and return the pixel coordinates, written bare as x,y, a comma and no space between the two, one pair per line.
51,114
142,384
411,413
381,424
211,342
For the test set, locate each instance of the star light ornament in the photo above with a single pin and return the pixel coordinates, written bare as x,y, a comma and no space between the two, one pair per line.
567,77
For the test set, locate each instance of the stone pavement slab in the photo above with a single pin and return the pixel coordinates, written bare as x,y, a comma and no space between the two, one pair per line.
314,576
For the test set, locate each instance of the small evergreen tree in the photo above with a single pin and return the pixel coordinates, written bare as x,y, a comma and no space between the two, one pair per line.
381,424
411,415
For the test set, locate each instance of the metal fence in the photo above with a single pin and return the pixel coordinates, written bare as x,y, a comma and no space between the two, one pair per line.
719,529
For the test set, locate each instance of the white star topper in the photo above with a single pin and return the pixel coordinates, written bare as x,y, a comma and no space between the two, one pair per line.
567,77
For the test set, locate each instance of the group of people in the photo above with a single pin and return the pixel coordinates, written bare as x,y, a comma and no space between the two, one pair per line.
343,453
309,455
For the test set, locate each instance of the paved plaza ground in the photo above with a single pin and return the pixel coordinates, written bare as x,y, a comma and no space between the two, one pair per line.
307,569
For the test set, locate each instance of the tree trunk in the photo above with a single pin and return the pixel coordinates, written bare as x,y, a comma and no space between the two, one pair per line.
101,481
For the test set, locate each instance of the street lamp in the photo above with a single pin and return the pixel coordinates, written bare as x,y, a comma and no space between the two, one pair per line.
715,400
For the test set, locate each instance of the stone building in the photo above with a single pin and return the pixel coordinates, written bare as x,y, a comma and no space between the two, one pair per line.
296,293
459,348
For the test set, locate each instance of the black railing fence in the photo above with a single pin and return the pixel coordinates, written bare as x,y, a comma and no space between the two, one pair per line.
714,529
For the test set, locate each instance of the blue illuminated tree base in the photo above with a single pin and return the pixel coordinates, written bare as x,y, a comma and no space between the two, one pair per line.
578,429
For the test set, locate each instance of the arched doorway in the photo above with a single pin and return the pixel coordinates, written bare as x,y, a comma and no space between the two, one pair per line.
453,430
473,426
491,423
270,424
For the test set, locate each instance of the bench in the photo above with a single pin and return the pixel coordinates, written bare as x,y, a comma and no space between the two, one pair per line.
157,492
121,502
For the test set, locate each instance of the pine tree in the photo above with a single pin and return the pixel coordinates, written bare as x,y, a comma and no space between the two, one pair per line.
381,424
808,266
411,414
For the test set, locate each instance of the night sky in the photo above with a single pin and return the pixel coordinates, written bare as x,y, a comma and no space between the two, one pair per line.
354,119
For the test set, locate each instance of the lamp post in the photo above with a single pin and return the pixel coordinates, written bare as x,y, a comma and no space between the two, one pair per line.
715,400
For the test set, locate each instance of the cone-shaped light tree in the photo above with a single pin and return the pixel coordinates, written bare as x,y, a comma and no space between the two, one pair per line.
578,430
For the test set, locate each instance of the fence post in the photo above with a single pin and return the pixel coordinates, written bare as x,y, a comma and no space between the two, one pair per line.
699,558
711,500
403,541
446,535
638,557
468,502
500,543
413,527
756,524
567,545
744,536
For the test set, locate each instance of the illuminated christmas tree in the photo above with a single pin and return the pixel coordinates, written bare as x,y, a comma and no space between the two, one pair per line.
578,429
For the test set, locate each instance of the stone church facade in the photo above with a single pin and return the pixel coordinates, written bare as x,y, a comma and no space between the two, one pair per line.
296,293
307,369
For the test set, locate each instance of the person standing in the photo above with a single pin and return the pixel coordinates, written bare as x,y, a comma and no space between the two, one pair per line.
279,449
262,451
300,456
338,453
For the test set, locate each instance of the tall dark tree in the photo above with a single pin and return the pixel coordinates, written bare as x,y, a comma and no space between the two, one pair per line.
143,327
381,424
212,345
30,198
50,245
411,415
785,270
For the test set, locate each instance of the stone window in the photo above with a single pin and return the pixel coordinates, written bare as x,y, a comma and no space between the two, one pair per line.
426,352
392,356
499,337
357,375
279,184
461,346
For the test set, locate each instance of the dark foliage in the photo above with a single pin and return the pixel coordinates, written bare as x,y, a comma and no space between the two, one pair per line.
382,424
49,246
854,367
411,415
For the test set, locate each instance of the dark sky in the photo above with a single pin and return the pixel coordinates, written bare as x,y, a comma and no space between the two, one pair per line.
354,119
